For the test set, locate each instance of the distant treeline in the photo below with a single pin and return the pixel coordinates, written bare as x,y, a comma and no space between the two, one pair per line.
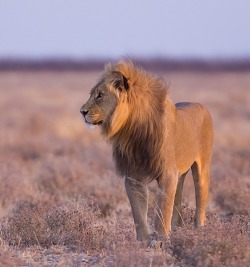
150,64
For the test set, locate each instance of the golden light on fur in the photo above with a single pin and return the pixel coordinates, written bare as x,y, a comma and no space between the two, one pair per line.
139,116
152,139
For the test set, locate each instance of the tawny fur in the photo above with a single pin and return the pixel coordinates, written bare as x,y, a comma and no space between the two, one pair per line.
153,139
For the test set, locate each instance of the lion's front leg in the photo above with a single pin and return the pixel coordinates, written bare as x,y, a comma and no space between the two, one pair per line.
138,196
166,195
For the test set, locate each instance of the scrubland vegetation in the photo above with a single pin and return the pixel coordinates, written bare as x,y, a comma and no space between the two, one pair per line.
61,203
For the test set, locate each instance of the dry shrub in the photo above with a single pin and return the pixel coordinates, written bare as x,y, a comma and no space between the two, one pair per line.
233,195
14,184
75,227
123,250
132,254
242,222
25,150
7,259
230,181
45,224
57,175
25,225
57,255
53,176
105,209
217,244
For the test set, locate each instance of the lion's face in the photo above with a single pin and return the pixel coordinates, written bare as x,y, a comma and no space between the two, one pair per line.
103,100
100,105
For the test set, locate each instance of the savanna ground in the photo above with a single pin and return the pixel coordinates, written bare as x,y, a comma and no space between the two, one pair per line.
61,203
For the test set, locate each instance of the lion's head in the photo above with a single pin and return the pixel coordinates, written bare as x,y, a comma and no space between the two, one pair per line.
104,101
129,105
124,94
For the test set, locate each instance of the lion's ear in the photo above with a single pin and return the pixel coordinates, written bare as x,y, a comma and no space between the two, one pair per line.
125,82
121,83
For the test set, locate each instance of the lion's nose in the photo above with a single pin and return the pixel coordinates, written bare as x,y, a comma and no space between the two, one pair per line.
84,111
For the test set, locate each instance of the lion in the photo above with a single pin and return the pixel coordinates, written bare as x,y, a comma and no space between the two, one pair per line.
152,139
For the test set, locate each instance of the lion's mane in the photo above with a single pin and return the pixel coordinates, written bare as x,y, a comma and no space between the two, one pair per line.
138,127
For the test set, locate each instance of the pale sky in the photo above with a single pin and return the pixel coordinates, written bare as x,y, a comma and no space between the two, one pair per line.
114,28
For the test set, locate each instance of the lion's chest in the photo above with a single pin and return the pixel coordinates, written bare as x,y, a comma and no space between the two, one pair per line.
139,163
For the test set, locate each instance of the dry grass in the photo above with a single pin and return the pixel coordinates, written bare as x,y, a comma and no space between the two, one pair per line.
61,203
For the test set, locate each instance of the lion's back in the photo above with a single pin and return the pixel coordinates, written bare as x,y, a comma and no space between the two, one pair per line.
192,113
194,119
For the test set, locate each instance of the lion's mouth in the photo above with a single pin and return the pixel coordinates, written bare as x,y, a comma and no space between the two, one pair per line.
93,123
98,123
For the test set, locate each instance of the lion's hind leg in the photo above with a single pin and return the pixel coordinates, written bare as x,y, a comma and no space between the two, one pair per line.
201,178
177,219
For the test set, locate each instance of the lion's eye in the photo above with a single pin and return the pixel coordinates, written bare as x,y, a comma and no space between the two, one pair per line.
99,96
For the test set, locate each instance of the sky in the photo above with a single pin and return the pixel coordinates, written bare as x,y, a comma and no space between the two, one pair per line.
215,29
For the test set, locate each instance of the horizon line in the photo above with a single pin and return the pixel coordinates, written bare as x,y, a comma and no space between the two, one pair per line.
152,63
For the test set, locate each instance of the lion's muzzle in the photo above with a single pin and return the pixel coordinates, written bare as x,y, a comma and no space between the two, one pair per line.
84,111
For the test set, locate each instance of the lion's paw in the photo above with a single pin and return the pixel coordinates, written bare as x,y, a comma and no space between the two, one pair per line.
155,244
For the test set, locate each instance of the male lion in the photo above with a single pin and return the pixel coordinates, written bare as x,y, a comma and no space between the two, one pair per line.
152,139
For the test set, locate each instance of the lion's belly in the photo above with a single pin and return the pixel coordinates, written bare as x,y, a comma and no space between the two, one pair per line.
184,163
185,154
